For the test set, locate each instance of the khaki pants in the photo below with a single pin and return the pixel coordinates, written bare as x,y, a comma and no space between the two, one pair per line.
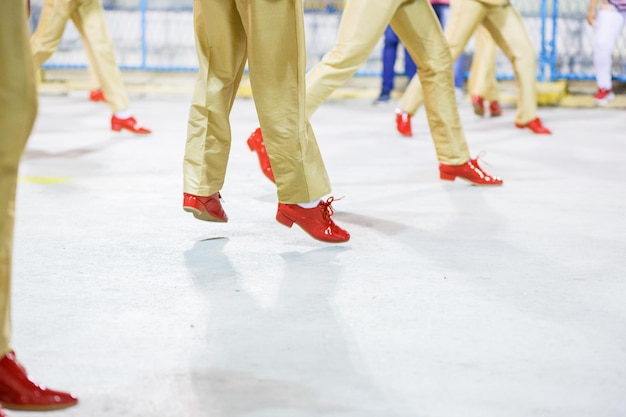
414,21
18,104
507,29
88,17
269,34
482,79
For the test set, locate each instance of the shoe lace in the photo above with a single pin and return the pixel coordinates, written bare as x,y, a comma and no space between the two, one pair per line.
481,156
327,208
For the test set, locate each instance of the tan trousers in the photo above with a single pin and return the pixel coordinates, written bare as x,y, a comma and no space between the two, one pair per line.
270,35
414,21
18,108
507,29
88,17
482,79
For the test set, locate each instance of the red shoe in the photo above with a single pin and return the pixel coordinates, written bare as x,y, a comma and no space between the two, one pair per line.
403,123
495,110
96,95
129,124
315,221
469,171
479,105
2,412
536,126
603,96
255,143
19,392
205,208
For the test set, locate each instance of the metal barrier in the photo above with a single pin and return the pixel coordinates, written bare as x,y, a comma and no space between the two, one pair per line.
157,35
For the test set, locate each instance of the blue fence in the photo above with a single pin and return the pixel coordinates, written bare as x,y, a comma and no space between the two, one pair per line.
157,35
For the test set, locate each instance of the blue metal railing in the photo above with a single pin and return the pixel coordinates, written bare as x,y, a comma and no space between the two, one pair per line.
155,35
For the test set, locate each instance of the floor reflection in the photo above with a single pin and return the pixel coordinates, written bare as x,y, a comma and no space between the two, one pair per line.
294,358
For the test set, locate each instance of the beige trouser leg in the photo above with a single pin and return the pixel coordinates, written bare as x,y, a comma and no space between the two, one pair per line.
94,82
270,34
90,21
507,29
88,16
419,30
458,36
18,101
362,24
482,79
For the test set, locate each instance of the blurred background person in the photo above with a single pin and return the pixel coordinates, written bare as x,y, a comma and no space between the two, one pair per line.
390,54
505,24
607,24
88,17
482,83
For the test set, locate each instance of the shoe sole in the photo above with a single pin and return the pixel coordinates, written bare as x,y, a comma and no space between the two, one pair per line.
37,407
478,111
286,221
119,129
451,178
548,132
604,101
203,215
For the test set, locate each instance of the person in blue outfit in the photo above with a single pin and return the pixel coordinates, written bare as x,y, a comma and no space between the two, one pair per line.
390,54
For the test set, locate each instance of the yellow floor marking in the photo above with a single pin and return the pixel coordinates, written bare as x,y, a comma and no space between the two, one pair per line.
43,180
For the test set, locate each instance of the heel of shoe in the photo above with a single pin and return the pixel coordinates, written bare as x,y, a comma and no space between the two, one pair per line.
191,205
447,177
284,220
251,144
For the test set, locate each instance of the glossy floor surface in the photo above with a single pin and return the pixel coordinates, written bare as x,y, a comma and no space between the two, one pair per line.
450,300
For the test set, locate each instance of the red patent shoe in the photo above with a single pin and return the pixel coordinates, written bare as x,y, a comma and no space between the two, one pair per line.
604,96
469,171
129,124
205,208
315,221
19,392
495,110
536,126
478,103
256,144
96,95
403,123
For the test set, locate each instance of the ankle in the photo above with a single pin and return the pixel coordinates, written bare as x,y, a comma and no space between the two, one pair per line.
123,114
311,204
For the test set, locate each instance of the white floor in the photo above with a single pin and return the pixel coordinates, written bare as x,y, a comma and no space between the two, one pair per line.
449,301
